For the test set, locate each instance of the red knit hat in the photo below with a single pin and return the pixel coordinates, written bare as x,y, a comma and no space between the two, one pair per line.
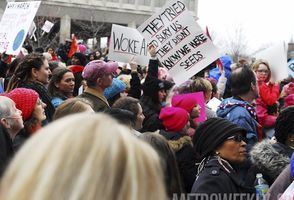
185,102
173,118
25,100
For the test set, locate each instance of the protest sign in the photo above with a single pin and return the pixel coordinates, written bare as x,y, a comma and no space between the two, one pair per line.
291,68
182,47
277,59
47,26
15,23
126,43
199,98
213,104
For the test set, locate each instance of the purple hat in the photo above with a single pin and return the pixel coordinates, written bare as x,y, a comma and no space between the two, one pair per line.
97,68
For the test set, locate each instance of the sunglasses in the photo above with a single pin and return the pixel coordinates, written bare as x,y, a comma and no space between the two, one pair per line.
237,138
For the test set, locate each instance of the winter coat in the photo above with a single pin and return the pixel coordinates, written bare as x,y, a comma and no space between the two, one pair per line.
269,95
221,84
214,179
185,155
268,160
215,73
241,113
151,112
56,101
99,102
6,149
135,90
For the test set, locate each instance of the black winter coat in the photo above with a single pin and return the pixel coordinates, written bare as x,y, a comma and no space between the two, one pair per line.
215,180
6,149
185,155
151,112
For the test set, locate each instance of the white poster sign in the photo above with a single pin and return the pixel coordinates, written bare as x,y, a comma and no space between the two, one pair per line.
47,26
15,23
126,44
181,45
277,59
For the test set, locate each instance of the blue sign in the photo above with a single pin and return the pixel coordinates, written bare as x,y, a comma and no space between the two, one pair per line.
18,40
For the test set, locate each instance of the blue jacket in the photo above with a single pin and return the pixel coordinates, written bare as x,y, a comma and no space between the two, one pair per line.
241,113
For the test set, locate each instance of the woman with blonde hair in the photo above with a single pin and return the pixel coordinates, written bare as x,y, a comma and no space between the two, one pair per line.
269,92
99,159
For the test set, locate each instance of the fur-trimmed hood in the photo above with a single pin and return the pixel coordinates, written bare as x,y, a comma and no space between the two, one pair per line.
268,160
176,145
176,140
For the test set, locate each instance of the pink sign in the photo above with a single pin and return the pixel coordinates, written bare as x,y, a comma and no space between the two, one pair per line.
189,101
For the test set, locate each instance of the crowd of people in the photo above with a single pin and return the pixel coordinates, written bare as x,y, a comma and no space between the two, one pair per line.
83,127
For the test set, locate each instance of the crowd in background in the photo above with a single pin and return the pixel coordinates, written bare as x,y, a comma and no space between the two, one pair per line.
84,127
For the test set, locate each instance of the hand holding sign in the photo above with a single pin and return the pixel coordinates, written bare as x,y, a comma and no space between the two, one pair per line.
133,64
152,51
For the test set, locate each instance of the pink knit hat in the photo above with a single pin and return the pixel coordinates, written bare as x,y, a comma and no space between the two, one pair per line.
174,119
185,102
25,100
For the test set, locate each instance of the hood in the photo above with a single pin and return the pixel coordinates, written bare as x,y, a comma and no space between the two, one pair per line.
176,140
268,160
177,145
226,62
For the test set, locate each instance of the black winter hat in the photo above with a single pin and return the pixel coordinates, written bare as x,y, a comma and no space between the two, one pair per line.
212,133
152,85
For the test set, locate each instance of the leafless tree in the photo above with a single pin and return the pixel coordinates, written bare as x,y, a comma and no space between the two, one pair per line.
43,39
90,29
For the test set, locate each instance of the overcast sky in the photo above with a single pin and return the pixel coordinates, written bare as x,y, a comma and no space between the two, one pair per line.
263,21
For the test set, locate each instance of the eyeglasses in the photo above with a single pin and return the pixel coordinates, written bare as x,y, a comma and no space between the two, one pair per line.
237,138
263,71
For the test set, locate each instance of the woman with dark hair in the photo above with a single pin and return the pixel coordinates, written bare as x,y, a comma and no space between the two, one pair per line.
220,144
133,105
11,68
168,161
78,62
61,85
154,95
284,132
271,159
33,73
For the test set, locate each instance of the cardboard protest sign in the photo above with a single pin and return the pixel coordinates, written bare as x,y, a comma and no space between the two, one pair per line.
277,59
126,43
15,23
181,45
47,26
199,98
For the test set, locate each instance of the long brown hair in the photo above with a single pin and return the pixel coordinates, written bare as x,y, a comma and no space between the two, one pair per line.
23,71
